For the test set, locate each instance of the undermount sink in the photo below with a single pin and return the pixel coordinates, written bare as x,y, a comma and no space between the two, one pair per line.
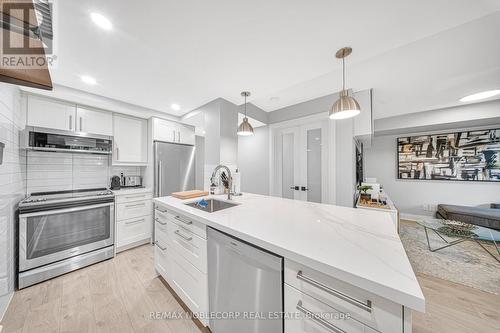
214,205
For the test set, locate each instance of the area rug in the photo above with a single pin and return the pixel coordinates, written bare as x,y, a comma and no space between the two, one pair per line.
465,263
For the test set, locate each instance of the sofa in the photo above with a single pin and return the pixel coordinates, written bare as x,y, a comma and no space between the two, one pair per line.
485,217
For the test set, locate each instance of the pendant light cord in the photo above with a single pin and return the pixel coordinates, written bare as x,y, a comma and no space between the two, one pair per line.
245,105
343,73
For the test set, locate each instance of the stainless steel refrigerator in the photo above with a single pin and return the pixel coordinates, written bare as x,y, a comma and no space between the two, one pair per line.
174,168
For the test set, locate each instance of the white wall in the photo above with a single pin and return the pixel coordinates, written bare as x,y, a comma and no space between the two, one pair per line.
410,195
12,183
345,165
228,136
253,161
199,162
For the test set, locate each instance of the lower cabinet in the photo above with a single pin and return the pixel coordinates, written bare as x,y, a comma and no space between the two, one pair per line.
367,312
181,259
313,301
134,219
311,315
133,230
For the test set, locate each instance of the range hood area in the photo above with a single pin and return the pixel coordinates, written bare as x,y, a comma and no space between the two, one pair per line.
44,139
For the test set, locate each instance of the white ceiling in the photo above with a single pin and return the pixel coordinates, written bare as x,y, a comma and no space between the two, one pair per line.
190,52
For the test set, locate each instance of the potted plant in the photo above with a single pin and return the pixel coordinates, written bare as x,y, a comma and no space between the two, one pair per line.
365,196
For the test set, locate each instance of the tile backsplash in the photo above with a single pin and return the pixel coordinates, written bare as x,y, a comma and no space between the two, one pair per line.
12,182
54,171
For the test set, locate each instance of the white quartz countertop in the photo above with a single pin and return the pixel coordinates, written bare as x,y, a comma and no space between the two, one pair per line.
358,246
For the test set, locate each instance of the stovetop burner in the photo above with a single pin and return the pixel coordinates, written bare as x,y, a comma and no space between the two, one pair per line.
65,197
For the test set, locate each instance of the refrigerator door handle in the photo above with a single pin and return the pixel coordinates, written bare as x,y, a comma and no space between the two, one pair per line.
159,178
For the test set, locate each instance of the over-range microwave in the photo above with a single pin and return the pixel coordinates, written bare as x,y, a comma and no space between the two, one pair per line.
45,139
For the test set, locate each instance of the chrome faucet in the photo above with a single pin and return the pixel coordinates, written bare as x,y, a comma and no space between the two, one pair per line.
230,179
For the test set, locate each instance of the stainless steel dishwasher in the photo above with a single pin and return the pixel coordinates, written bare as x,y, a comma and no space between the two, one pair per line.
245,286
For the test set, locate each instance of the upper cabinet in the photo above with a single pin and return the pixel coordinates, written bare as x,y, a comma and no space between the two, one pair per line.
171,131
58,115
51,114
93,121
130,140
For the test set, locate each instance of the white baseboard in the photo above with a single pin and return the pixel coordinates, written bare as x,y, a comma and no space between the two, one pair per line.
4,304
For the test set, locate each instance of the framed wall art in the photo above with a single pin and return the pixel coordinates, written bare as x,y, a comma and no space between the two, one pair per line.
463,156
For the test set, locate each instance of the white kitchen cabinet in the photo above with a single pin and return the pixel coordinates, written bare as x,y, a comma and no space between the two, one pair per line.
316,316
42,112
128,210
94,122
171,131
162,260
130,140
364,307
134,218
133,230
185,134
189,245
181,258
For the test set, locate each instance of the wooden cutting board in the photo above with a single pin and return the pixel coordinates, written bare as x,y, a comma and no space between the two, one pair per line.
189,194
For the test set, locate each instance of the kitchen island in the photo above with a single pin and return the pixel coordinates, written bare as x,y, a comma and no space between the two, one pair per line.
345,259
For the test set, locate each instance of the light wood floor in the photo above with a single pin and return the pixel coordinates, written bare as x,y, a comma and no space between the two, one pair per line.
118,295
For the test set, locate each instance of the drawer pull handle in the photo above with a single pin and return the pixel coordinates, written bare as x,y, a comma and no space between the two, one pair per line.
161,211
316,318
365,306
161,248
136,205
134,222
178,233
178,218
160,222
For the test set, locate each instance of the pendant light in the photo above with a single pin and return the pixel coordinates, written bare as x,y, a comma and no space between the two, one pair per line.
346,106
245,128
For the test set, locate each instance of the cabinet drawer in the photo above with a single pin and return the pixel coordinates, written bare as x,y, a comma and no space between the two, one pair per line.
162,260
329,320
372,310
134,197
133,230
189,245
161,214
189,283
195,227
161,231
134,209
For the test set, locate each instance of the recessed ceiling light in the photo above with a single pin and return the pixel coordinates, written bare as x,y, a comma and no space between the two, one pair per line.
101,20
175,107
480,95
88,79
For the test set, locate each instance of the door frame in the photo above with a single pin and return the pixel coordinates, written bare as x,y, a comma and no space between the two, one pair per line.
275,161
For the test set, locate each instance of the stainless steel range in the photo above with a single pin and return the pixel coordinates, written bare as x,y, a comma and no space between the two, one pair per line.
63,231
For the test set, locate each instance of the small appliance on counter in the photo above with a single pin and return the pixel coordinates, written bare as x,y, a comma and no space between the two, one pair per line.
119,182
116,183
132,181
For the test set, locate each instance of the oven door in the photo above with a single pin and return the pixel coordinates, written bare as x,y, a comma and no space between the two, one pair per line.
49,236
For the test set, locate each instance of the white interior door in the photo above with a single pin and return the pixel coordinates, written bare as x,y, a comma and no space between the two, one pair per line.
301,162
290,166
313,162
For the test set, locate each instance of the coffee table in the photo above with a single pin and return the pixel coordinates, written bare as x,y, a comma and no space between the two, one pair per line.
462,231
